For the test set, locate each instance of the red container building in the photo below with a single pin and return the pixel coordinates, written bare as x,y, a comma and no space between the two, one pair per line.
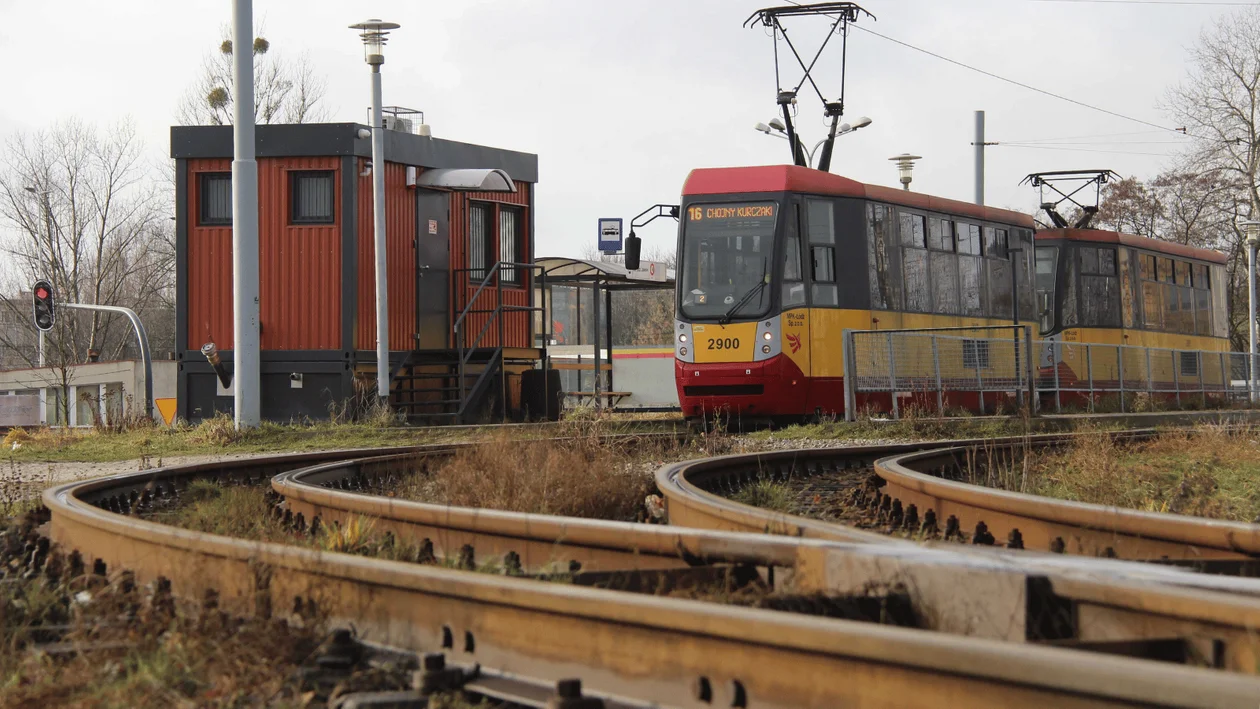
316,270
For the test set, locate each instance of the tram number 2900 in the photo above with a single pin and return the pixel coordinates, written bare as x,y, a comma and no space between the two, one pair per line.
724,343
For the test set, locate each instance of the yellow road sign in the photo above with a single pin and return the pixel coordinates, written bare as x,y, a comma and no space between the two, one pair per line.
166,407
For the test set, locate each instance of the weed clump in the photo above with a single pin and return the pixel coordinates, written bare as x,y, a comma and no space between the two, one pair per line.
583,477
766,494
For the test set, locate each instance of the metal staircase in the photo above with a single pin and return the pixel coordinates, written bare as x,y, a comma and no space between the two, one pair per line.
465,384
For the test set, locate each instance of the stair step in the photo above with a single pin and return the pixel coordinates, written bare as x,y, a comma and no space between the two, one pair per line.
434,402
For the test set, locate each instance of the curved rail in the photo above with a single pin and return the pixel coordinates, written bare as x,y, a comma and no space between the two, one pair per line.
920,492
663,650
918,483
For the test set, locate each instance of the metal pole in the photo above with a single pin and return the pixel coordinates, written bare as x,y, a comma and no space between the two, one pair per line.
1251,310
850,376
595,338
1089,367
936,367
142,336
378,237
247,381
892,377
608,328
1019,399
979,157
41,349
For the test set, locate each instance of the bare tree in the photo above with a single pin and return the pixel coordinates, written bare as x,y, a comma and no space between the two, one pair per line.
284,92
80,211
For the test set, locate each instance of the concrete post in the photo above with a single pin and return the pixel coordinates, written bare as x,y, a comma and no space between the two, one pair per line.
245,309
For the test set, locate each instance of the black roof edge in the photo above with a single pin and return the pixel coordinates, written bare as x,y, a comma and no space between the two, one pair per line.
336,139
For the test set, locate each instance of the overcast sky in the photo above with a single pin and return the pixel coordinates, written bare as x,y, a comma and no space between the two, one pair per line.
620,100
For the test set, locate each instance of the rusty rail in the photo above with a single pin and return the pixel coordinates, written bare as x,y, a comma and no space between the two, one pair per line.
670,651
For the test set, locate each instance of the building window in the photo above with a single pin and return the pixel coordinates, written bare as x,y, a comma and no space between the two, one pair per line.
311,197
510,244
480,245
215,199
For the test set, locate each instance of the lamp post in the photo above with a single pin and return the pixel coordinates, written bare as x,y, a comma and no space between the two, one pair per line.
246,335
374,33
1252,229
905,168
776,125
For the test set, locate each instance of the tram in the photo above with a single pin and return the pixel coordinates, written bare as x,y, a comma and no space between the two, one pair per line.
775,262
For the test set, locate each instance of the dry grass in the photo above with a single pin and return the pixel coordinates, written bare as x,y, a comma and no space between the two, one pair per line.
1210,471
766,494
581,477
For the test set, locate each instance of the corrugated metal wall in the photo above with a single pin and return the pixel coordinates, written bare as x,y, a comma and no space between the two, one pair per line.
400,235
209,268
516,326
299,265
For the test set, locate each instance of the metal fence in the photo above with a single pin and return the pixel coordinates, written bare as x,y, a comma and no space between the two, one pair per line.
987,368
933,367
1089,374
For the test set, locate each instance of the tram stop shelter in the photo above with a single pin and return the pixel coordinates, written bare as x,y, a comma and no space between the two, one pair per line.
590,286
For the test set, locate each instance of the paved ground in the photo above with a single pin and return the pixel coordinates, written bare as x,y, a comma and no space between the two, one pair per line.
52,473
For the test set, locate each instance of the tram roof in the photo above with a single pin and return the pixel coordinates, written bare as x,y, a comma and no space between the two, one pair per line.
1138,242
794,178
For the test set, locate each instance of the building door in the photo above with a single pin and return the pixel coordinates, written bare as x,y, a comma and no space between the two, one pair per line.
433,269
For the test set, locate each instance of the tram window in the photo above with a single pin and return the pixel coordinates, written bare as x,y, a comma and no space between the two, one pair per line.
1089,259
915,279
944,283
1186,294
880,252
1202,311
1107,262
1152,305
912,230
792,258
1000,290
1183,273
940,234
822,223
1165,270
995,242
1047,273
824,290
971,286
1100,301
968,238
1200,276
1148,266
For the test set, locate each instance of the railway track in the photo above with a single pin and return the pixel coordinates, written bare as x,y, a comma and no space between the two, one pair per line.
988,648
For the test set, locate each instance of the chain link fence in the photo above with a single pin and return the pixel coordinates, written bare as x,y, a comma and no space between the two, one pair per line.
987,369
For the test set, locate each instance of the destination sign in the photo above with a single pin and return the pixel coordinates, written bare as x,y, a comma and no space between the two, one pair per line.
729,211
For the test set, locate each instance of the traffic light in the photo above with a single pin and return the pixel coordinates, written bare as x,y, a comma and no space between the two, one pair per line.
42,294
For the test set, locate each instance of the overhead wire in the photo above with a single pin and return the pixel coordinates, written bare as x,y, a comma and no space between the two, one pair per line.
1013,81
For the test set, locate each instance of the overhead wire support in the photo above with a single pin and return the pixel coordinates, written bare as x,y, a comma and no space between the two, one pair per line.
843,14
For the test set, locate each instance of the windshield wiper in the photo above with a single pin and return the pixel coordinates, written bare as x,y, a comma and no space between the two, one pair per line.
726,319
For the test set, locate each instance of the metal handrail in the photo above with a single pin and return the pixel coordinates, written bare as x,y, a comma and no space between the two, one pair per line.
466,350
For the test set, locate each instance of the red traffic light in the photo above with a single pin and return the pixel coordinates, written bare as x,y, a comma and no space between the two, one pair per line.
41,293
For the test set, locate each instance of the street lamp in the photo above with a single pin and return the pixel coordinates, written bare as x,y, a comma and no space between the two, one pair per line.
1252,229
905,168
374,33
776,125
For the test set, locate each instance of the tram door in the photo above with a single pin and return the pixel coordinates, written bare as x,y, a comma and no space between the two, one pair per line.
433,269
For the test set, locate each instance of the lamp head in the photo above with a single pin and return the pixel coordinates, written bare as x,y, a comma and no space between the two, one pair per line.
374,33
777,124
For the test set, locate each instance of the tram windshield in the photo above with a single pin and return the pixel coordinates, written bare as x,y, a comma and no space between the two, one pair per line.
727,260
1047,273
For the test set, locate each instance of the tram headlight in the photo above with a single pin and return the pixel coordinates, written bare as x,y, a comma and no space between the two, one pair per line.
765,349
682,351
682,337
766,336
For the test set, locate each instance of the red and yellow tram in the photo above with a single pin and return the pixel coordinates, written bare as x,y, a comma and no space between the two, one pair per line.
775,262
